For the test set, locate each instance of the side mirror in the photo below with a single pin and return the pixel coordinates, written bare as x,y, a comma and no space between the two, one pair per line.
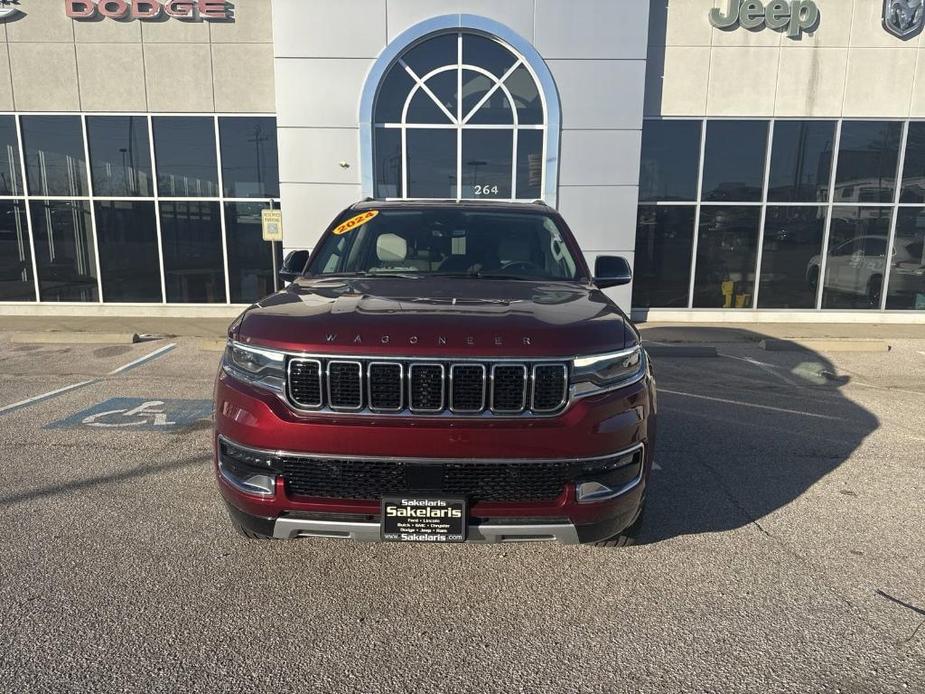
293,265
611,271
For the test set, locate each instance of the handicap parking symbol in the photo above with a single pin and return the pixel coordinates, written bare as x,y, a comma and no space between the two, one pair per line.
138,414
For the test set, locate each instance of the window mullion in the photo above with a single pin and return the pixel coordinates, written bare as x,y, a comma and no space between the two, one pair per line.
459,120
897,194
763,217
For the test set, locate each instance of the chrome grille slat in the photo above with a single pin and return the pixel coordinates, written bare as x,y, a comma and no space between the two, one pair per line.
468,387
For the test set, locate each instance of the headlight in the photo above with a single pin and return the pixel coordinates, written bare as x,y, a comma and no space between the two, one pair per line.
603,372
259,367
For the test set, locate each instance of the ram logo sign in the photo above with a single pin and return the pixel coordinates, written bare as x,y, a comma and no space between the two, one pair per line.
903,18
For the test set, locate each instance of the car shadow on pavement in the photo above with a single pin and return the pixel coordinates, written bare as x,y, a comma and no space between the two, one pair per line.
744,434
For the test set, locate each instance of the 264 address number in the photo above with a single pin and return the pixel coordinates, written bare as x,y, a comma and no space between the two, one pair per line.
485,190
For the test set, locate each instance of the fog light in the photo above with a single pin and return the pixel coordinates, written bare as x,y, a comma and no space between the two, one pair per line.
249,483
247,470
610,478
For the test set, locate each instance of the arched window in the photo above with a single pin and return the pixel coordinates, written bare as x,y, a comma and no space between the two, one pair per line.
460,114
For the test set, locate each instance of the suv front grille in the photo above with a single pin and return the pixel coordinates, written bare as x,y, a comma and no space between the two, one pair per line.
427,387
373,479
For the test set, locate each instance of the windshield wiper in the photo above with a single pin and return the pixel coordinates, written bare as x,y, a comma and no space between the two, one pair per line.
479,275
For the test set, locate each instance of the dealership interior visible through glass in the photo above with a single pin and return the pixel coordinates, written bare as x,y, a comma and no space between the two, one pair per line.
746,214
137,208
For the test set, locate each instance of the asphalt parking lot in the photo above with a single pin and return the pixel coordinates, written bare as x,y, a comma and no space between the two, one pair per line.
783,551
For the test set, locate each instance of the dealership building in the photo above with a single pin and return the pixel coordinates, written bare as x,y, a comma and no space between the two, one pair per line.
754,160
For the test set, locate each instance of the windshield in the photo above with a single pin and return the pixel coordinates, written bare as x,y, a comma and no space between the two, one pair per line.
445,243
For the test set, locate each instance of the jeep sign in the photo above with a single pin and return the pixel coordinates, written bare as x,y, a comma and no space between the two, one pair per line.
147,9
795,16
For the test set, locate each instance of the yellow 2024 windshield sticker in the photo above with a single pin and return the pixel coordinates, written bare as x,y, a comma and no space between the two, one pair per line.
355,222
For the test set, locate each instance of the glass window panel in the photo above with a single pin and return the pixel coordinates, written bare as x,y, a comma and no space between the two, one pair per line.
191,234
791,255
444,87
487,163
867,159
907,272
431,161
670,160
733,162
487,53
129,264
184,151
251,273
914,167
662,271
526,97
250,168
856,257
433,53
55,162
387,156
10,176
64,252
474,87
16,283
423,109
390,100
529,164
726,254
120,156
801,161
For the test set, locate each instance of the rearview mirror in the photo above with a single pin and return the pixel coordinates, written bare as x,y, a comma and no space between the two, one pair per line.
293,265
612,271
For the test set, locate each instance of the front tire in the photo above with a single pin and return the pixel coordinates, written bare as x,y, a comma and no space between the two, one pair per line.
249,534
626,537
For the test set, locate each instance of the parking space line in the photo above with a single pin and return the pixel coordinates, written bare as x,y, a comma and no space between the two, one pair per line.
141,360
45,396
74,386
748,404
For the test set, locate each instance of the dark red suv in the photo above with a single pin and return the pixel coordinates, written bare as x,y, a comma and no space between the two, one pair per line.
438,371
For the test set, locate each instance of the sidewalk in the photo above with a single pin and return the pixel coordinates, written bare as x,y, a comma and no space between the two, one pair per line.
706,333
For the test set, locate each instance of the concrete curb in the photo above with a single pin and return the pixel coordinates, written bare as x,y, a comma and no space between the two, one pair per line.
681,350
821,345
74,338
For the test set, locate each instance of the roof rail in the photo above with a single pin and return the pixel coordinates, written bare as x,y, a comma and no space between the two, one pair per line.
540,202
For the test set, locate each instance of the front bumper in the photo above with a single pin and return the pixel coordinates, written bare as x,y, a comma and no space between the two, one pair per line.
593,427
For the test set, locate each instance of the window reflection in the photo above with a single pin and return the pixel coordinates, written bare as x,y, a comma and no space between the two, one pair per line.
55,161
431,163
670,160
914,166
184,150
387,155
867,159
801,161
790,257
16,283
733,162
191,234
662,268
487,161
726,254
129,265
856,257
65,256
529,164
10,176
907,262
120,156
250,166
251,274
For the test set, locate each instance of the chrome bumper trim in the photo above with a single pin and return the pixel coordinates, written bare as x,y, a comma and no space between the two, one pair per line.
289,528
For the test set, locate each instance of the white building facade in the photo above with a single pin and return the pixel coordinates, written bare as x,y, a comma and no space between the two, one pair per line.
754,161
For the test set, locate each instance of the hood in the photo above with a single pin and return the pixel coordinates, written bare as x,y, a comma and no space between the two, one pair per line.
437,316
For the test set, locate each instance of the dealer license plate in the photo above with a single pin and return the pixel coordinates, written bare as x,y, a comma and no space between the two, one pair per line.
423,519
